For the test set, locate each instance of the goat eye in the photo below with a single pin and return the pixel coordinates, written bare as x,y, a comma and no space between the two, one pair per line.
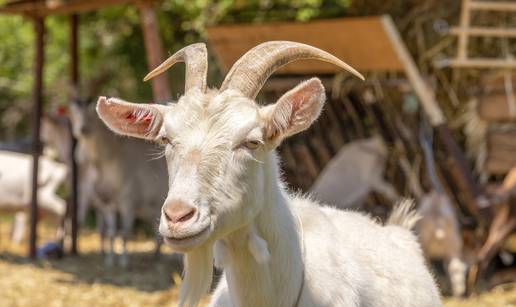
252,144
165,141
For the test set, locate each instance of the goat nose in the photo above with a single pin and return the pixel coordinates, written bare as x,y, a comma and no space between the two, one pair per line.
178,211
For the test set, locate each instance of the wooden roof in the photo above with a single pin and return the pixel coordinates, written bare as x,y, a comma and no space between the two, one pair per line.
56,7
361,42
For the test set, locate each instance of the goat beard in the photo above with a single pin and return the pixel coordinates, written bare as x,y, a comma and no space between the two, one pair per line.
198,275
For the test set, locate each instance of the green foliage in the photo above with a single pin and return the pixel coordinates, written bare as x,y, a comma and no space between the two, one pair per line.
15,78
112,53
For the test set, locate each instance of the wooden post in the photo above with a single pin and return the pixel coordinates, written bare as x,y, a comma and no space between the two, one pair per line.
74,80
465,17
424,92
39,29
153,49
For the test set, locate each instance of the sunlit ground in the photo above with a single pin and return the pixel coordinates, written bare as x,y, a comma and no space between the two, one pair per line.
85,281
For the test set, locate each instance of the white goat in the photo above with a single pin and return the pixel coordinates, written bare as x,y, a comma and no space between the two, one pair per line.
119,166
225,189
55,133
353,173
15,189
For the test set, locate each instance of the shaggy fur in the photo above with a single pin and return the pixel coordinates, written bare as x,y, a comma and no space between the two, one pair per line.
274,246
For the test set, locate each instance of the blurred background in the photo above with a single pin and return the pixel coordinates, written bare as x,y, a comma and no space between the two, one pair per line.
435,120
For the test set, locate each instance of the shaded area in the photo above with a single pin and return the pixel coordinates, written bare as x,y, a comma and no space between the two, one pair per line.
145,273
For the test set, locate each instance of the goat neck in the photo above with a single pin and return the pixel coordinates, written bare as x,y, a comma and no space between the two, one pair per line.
276,282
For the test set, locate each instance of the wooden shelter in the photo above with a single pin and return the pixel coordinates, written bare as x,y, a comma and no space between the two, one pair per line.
369,44
37,11
497,106
497,102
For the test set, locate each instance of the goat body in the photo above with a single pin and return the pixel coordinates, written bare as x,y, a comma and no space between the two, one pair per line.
116,168
353,173
15,188
345,258
441,239
225,196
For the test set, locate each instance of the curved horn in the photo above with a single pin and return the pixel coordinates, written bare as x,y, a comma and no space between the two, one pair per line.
195,57
250,72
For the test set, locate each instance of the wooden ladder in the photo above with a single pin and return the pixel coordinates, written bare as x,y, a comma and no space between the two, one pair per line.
465,31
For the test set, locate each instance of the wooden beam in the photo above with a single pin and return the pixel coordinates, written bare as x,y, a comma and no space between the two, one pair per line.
359,41
493,6
459,169
153,50
495,108
46,8
74,80
423,91
501,146
39,58
493,63
465,17
484,31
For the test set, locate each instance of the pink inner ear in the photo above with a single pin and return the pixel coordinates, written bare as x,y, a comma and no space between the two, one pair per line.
130,119
131,116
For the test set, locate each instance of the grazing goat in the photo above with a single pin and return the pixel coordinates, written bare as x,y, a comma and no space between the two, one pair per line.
441,239
55,133
225,190
353,173
15,189
439,228
121,166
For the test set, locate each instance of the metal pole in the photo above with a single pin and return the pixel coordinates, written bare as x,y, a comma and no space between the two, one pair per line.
39,28
74,80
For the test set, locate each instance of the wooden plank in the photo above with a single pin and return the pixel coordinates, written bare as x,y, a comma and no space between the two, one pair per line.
494,103
477,63
479,31
465,16
45,8
495,108
361,42
39,59
501,149
493,6
494,83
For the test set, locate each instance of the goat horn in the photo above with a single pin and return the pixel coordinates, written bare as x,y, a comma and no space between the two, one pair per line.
250,72
195,57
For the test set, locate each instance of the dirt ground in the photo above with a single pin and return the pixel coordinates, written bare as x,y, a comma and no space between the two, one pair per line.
85,281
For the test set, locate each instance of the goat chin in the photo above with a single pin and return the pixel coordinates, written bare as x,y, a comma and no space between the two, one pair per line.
198,274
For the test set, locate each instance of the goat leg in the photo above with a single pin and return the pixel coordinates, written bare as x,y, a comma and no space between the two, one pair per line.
110,220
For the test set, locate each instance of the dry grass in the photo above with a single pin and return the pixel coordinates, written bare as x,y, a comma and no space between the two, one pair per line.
85,281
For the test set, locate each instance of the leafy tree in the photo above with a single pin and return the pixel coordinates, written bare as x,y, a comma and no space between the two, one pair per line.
112,50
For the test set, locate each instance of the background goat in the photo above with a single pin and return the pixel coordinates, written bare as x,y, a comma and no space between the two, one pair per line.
439,228
225,186
121,166
15,189
353,173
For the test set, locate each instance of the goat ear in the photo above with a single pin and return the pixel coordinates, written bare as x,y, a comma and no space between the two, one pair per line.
133,119
295,111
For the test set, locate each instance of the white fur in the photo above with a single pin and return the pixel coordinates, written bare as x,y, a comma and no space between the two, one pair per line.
15,189
271,244
349,260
